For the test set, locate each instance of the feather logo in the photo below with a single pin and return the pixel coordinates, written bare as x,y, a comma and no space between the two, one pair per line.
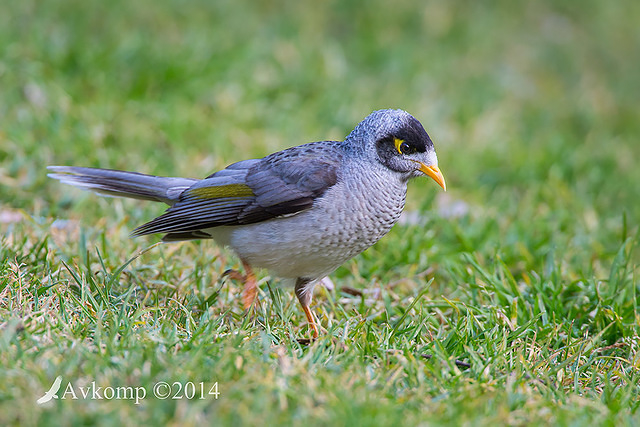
52,393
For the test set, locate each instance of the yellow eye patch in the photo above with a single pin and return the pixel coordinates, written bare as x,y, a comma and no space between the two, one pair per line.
398,142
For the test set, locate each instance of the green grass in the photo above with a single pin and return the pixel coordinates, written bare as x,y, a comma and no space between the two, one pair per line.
510,299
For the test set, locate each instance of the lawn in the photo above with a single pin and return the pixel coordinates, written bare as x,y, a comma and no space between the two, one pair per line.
510,299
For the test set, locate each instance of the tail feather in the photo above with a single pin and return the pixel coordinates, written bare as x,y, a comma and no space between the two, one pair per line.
114,183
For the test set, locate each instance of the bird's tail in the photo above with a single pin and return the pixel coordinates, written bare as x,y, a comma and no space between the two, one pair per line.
114,183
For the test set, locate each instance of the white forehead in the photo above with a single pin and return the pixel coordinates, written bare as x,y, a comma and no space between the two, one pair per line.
432,159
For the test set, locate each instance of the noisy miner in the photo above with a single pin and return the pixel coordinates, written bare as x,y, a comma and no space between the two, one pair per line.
299,213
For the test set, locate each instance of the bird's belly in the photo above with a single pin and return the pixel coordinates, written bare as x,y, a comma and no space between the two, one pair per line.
315,242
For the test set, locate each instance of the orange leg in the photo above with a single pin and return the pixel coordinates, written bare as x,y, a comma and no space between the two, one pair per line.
250,291
311,320
304,291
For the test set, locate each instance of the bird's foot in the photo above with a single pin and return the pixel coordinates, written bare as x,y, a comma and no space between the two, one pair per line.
250,289
234,275
311,320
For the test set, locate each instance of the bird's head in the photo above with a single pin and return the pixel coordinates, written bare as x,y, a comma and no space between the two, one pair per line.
398,141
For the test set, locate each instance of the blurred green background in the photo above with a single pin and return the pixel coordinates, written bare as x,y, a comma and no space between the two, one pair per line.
533,108
536,96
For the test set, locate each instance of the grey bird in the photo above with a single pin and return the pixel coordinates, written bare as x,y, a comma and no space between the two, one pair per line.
299,213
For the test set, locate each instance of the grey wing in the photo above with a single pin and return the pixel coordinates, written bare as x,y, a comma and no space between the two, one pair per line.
250,191
289,181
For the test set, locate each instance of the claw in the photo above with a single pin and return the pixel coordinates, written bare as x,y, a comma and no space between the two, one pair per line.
250,290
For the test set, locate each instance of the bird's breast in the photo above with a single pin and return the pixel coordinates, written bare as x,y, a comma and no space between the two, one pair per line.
351,216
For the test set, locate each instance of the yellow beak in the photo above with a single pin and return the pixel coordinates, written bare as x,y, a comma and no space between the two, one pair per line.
434,173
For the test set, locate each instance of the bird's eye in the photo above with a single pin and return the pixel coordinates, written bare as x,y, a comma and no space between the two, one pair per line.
405,148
